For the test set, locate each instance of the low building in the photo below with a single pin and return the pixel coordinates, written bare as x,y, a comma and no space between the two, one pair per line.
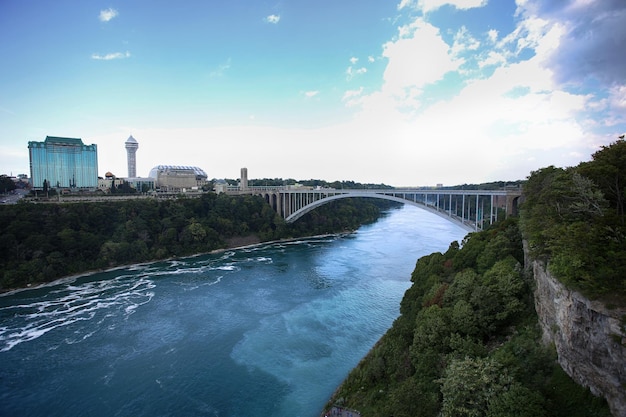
109,180
140,184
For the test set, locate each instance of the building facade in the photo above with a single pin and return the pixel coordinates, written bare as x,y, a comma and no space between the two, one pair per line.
177,177
63,163
131,145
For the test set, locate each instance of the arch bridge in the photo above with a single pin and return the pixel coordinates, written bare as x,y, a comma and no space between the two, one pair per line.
471,209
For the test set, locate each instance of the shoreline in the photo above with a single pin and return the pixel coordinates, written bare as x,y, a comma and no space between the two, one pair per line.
238,243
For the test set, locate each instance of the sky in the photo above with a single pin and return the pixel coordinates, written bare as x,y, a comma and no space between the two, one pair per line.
402,92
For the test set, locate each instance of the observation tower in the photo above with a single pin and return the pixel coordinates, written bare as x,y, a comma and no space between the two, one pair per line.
131,149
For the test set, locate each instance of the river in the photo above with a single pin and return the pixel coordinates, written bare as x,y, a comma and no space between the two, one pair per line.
259,331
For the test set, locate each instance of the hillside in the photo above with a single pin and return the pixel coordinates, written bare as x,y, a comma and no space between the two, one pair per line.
468,340
466,343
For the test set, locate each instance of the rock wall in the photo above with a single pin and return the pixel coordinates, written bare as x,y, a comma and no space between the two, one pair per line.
590,339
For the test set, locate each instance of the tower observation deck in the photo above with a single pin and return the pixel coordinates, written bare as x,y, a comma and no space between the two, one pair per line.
131,148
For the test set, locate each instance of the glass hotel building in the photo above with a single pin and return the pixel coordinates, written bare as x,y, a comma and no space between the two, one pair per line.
64,163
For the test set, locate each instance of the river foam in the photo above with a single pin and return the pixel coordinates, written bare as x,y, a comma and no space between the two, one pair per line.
69,303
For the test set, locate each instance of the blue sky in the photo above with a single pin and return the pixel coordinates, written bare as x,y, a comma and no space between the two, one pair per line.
405,92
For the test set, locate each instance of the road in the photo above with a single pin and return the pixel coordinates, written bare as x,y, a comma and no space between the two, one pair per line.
12,197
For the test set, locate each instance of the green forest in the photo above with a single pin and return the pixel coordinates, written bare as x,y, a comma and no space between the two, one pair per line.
42,242
467,342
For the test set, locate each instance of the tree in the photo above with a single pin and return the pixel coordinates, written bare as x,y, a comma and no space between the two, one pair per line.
469,385
608,170
6,184
517,401
125,188
412,399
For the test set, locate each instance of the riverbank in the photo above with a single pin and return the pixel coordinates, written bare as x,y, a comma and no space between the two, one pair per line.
45,242
234,243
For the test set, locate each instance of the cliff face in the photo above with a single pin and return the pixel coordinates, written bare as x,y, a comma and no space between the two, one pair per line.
590,339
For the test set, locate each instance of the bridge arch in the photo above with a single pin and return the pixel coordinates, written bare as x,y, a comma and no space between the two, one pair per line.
439,212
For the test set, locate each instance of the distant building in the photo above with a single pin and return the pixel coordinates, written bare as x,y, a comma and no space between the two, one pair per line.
131,149
178,178
109,180
243,184
63,163
142,185
220,186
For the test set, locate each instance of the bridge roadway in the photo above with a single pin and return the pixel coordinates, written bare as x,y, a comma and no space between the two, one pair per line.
471,209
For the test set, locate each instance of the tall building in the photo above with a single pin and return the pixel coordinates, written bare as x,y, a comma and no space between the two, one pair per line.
63,163
131,149
243,180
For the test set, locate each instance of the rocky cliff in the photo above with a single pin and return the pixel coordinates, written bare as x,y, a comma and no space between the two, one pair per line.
590,339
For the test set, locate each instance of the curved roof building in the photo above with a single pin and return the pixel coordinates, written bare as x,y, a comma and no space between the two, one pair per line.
178,177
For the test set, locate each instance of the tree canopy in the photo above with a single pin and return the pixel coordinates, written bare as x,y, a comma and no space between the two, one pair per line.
573,219
6,184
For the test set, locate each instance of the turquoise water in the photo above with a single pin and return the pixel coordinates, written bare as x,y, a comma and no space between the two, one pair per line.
269,330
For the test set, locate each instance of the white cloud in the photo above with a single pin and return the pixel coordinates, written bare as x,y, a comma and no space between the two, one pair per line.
404,3
311,94
111,56
419,57
352,72
610,111
273,18
618,96
432,5
352,97
493,58
107,14
370,59
354,60
594,30
498,125
585,36
464,41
